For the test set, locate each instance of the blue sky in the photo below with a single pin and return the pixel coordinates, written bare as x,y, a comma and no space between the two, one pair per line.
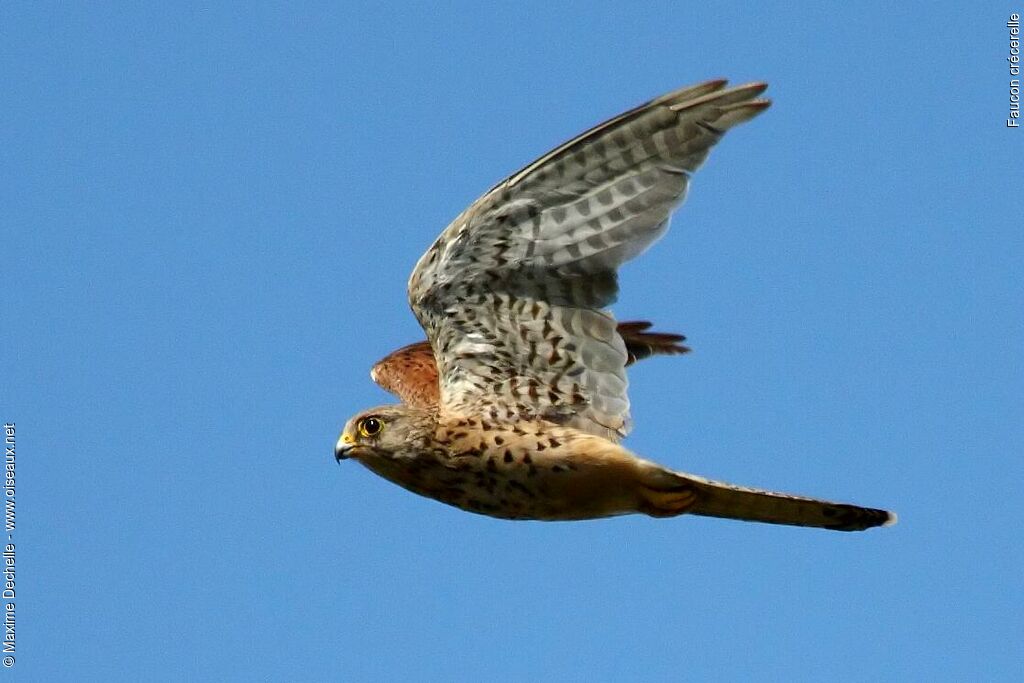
208,219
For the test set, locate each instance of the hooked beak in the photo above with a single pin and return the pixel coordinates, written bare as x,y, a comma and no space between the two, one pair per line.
341,453
345,444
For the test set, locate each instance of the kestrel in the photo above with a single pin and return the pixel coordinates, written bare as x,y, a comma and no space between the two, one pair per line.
516,408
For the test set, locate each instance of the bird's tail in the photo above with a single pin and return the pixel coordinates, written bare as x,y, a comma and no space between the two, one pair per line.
718,499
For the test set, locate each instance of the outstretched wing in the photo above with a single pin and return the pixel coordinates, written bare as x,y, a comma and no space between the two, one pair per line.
641,344
410,373
512,293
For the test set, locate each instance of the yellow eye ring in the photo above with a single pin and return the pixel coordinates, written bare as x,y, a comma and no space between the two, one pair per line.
370,427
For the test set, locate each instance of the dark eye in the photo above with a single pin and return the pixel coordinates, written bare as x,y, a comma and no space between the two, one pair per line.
370,426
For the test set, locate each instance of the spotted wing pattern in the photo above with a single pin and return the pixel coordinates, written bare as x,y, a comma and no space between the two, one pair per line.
512,294
410,373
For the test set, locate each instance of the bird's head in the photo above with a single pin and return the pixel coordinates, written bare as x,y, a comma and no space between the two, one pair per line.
383,432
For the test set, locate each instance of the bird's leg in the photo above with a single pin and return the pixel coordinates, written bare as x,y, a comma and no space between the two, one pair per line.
662,492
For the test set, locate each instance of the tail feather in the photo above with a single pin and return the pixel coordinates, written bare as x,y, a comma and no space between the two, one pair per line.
717,499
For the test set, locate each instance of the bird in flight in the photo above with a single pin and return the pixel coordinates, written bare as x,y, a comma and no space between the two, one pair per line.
515,405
